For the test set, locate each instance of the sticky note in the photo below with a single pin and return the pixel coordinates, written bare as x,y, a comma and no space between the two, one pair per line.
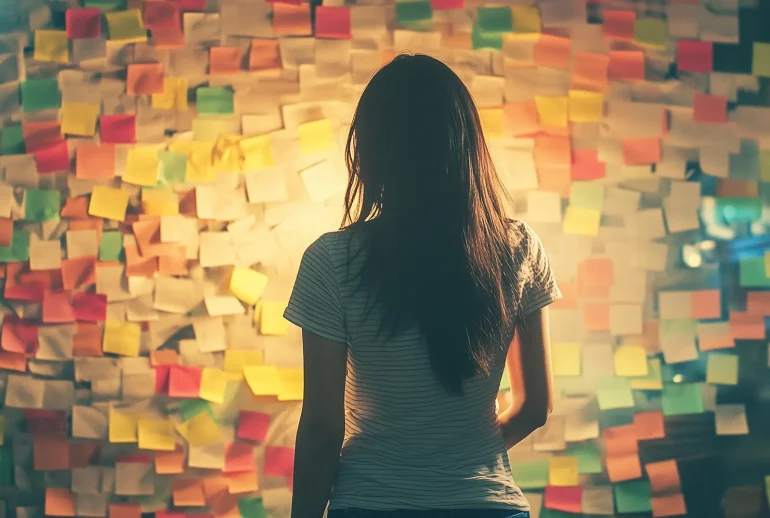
626,65
173,96
332,22
156,434
631,360
760,60
492,122
481,39
618,25
315,136
722,369
79,119
144,78
581,221
587,195
215,100
51,46
585,106
614,393
588,456
414,12
710,109
126,26
18,250
752,272
202,430
257,152
236,360
121,338
40,94
650,32
117,128
552,51
189,408
224,60
495,19
566,359
42,205
531,474
694,56
263,380
633,496
563,471
142,166
653,380
552,111
271,321
526,19
682,398
12,140
213,385
292,384
247,284
108,203
641,151
123,427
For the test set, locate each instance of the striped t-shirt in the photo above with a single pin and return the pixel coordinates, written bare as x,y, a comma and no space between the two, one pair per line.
408,443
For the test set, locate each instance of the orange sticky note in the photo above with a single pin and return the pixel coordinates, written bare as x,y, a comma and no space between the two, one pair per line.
668,505
554,178
170,462
291,19
595,277
552,51
264,53
706,304
649,425
623,467
95,161
711,109
620,440
242,482
626,65
641,151
552,151
224,61
618,25
125,510
50,452
520,118
758,303
78,272
6,232
59,502
589,71
188,492
745,326
144,78
664,476
596,316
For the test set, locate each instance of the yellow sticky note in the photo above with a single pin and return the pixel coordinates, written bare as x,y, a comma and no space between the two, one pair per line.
227,155
156,434
563,471
651,32
263,380
51,46
123,427
631,360
271,321
142,166
315,137
126,26
565,358
213,385
257,152
492,122
121,338
247,284
202,430
292,384
760,61
159,202
236,360
722,369
108,203
585,106
526,19
652,381
174,96
199,167
79,119
581,221
551,111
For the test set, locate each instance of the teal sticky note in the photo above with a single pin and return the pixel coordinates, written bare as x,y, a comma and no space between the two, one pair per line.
19,249
682,398
722,369
495,19
172,168
633,496
40,94
413,12
614,393
752,273
41,205
731,210
587,195
486,40
111,246
215,100
106,5
12,140
651,32
588,455
530,474
251,508
6,466
189,408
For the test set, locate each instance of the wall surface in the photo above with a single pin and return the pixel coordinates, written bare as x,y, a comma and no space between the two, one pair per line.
164,164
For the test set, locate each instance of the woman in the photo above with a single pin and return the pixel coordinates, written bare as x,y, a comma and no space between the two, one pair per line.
408,313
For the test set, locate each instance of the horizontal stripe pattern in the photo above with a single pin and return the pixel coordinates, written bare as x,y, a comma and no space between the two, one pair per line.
409,444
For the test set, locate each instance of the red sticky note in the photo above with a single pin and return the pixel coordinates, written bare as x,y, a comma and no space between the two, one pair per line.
57,307
619,25
83,23
239,457
50,452
253,425
22,284
117,129
192,5
552,151
160,15
40,134
586,165
566,499
53,159
641,151
626,65
45,421
710,108
279,461
446,4
162,374
89,307
19,335
184,381
332,22
695,56
144,79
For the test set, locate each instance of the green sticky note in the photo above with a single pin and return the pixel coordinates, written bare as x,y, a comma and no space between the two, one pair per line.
6,466
682,398
588,455
613,393
189,408
722,369
752,272
764,165
495,19
587,195
251,508
106,5
410,13
40,94
12,142
531,474
650,32
111,246
215,100
760,61
172,167
633,496
486,40
41,205
19,249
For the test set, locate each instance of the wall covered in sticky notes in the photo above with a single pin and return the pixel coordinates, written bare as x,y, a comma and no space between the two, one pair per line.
164,164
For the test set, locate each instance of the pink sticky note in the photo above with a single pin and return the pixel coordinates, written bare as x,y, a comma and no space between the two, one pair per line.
626,65
117,129
90,307
239,457
641,151
619,25
710,108
53,159
19,336
253,425
57,307
83,23
332,22
279,461
446,4
695,56
586,165
184,381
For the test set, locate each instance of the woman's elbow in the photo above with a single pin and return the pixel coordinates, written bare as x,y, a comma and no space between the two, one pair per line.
538,415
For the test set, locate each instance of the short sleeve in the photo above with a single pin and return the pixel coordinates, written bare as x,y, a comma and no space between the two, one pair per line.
539,287
315,303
